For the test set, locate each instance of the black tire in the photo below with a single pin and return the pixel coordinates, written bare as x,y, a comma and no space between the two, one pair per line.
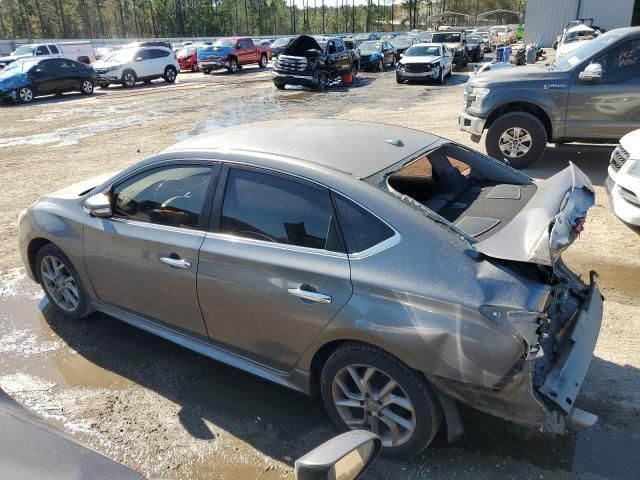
170,74
194,67
399,79
127,77
441,76
355,68
206,71
427,408
322,80
525,122
393,61
263,61
279,85
380,65
86,88
103,85
84,305
233,66
25,95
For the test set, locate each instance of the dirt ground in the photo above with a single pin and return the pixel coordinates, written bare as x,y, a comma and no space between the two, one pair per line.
171,413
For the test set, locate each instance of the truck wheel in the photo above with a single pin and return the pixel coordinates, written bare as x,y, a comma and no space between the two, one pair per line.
393,61
279,85
517,137
263,61
322,81
103,85
441,76
129,79
355,68
206,71
233,65
399,78
363,387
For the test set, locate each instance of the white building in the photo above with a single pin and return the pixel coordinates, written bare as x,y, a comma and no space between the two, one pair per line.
547,18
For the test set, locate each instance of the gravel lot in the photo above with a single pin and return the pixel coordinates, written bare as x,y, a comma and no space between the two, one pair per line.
171,413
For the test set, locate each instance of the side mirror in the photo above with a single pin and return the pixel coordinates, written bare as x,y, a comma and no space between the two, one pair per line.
591,74
138,59
344,457
99,205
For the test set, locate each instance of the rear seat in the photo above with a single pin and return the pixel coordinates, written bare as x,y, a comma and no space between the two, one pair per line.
450,182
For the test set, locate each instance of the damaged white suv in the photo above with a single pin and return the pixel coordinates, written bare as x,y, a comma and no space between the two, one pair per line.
623,182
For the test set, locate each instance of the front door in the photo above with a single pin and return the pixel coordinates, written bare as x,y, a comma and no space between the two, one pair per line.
144,259
609,108
274,273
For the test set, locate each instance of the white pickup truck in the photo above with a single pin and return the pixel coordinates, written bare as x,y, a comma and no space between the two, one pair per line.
79,51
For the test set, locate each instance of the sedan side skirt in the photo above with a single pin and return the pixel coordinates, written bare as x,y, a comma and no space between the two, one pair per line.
296,379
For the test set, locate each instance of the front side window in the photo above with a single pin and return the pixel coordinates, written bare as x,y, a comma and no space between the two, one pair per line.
172,196
276,209
54,49
621,63
42,50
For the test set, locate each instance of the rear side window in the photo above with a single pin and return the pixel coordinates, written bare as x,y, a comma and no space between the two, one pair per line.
54,49
276,209
165,196
42,50
360,229
155,53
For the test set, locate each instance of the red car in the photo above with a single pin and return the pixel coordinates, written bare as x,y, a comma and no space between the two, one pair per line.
188,58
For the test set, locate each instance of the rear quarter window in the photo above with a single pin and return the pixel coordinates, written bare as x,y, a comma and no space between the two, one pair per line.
361,229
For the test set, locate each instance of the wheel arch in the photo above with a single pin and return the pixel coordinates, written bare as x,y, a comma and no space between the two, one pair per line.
524,107
32,251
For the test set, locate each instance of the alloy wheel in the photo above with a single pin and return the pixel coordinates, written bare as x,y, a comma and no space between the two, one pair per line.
87,87
25,94
59,283
233,66
368,398
129,79
171,75
515,142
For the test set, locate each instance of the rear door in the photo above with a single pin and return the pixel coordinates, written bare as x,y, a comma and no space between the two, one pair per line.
144,258
47,77
609,108
272,272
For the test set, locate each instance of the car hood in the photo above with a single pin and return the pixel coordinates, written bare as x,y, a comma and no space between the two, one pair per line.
8,59
549,222
302,44
77,190
631,143
509,75
11,80
565,48
104,64
424,59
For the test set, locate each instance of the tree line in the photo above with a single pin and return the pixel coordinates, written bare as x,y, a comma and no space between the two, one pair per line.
207,18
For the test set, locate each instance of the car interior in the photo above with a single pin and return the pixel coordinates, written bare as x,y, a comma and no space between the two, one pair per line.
446,182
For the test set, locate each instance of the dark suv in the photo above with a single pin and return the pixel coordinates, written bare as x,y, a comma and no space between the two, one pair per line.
591,95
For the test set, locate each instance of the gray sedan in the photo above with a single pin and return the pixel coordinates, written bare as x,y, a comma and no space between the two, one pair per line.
392,271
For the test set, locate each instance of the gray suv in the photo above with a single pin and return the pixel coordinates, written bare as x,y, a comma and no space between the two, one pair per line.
393,271
591,96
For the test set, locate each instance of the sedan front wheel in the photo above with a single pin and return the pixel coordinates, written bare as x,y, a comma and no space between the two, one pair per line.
24,95
364,387
87,87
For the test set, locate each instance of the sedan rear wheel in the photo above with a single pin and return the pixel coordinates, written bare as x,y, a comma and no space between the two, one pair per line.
87,87
364,387
24,95
61,282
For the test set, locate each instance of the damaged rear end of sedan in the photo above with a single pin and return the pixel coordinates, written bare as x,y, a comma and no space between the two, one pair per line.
517,226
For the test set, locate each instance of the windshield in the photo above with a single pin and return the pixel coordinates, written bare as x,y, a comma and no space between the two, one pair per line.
323,44
583,52
401,42
446,37
25,50
421,51
370,47
577,36
280,42
19,66
223,43
186,51
425,37
473,39
121,56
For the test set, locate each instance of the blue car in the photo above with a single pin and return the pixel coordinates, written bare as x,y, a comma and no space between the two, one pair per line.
23,80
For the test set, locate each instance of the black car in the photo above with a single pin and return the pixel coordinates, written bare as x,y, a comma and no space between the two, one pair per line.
401,43
279,45
376,54
475,47
24,80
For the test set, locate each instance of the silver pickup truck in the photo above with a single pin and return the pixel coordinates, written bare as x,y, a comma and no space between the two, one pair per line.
591,95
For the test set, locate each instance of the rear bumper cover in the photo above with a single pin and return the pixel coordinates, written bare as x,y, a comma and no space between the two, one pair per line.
551,407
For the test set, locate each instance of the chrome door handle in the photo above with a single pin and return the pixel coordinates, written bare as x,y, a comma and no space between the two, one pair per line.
176,262
311,296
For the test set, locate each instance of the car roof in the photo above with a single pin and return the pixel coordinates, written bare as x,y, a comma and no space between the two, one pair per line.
427,44
360,149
